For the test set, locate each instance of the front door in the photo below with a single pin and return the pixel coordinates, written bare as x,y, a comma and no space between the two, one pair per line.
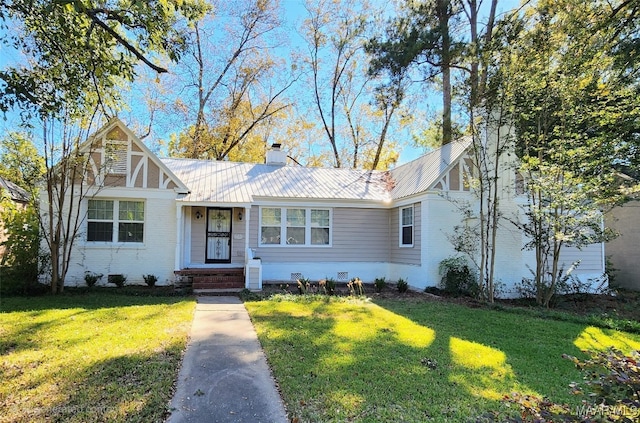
218,236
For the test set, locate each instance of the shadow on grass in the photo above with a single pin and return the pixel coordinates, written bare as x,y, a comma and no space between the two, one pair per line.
134,388
74,304
91,358
532,347
91,299
410,361
362,364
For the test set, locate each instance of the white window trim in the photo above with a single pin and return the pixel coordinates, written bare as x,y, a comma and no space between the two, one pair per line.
116,224
401,226
283,228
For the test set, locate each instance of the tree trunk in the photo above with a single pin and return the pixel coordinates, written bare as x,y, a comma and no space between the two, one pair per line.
442,11
383,137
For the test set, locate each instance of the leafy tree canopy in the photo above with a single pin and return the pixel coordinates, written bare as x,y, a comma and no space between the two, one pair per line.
19,160
77,47
575,105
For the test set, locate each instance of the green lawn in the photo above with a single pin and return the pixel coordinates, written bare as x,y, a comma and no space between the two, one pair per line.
90,357
415,361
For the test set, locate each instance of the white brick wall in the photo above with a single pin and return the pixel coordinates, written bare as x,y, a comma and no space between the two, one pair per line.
155,256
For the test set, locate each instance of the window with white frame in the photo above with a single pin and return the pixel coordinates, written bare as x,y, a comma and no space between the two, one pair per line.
270,226
406,226
320,226
295,226
115,221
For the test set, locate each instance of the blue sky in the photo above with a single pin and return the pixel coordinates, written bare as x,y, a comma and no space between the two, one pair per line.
294,12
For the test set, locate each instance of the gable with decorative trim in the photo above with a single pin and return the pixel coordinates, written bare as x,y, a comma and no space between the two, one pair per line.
117,158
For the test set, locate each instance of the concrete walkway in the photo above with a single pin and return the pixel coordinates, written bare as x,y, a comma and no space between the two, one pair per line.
224,375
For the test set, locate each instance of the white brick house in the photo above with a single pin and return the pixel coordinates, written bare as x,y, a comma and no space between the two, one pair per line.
167,217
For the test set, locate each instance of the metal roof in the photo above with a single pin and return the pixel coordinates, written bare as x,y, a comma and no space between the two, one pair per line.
228,182
15,192
421,174
241,183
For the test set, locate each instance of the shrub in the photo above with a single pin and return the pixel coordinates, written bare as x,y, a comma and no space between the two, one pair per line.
379,284
91,278
457,277
355,287
433,290
150,280
613,379
402,285
328,286
21,260
248,295
284,287
117,279
304,285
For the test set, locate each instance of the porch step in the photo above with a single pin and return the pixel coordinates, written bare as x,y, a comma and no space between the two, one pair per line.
213,279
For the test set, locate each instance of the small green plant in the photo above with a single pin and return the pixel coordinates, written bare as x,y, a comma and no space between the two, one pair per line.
248,295
150,280
356,287
117,279
402,285
304,285
330,286
379,284
457,277
327,286
284,287
91,278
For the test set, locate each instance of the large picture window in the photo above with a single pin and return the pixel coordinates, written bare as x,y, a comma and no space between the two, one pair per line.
115,221
406,226
295,226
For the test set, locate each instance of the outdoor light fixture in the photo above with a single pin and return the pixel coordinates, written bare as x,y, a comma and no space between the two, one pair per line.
240,215
198,215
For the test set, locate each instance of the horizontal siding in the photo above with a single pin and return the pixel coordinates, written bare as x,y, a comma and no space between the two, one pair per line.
199,238
590,258
198,235
359,235
405,255
623,251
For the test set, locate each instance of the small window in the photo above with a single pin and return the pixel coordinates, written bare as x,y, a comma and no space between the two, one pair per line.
125,218
406,227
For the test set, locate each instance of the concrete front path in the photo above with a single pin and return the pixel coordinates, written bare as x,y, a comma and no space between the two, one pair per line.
224,375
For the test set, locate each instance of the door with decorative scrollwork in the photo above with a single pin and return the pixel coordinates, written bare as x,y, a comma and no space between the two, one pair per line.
218,236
